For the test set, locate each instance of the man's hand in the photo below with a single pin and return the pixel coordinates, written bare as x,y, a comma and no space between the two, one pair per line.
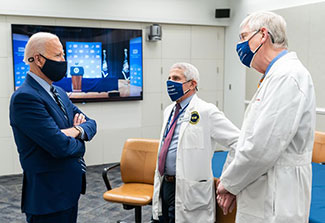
226,200
78,119
221,189
217,181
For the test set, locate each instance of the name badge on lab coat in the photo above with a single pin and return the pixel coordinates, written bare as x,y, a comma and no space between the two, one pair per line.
184,119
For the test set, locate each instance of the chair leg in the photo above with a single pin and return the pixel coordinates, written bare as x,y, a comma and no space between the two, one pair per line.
138,214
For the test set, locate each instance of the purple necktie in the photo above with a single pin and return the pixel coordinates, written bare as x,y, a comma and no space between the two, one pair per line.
167,140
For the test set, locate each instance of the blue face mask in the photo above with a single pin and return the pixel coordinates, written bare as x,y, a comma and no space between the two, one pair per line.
244,51
175,89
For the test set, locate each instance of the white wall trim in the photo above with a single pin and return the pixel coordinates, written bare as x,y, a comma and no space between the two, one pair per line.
220,22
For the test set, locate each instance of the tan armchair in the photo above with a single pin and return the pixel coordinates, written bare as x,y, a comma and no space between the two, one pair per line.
319,148
138,163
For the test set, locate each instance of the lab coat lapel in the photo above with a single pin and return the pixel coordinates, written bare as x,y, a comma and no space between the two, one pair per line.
187,117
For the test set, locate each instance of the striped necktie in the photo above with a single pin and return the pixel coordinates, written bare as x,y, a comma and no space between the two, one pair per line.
167,140
83,164
59,101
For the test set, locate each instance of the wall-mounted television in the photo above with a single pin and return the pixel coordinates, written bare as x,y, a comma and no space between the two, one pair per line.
103,64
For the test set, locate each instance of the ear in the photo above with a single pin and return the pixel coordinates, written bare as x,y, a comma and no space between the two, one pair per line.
39,61
265,34
194,84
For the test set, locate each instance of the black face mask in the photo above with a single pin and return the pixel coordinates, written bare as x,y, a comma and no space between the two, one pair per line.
54,70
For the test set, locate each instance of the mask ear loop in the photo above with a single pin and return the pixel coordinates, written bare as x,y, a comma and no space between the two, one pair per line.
262,43
195,86
271,36
188,90
32,59
272,39
258,48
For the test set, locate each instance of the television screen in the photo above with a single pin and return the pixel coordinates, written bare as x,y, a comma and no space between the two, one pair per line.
103,64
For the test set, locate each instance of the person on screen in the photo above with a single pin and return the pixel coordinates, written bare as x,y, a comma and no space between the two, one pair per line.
270,173
183,183
50,134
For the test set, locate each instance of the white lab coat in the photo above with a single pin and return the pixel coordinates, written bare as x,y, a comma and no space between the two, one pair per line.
270,170
195,191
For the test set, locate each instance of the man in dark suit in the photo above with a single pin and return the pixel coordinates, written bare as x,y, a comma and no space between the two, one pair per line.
49,133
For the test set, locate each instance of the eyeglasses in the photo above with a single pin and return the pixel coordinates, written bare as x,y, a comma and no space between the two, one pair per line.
243,36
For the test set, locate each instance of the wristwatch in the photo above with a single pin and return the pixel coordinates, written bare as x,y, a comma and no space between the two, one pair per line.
78,128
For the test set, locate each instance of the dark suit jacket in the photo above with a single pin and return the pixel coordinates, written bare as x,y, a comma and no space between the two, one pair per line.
50,160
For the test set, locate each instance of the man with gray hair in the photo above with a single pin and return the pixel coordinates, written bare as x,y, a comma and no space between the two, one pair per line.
184,184
270,170
50,134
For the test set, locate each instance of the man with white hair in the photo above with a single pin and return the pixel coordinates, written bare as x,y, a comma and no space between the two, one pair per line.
49,133
270,170
184,185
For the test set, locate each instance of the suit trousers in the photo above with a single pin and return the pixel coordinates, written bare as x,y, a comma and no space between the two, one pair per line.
66,216
167,193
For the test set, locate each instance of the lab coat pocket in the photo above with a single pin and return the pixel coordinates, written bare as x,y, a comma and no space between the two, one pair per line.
292,187
197,195
193,137
251,200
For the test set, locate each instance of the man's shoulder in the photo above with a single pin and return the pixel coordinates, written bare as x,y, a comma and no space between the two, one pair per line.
204,108
292,71
290,66
24,91
204,105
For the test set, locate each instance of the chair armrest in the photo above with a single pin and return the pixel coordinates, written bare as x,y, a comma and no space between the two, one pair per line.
105,177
